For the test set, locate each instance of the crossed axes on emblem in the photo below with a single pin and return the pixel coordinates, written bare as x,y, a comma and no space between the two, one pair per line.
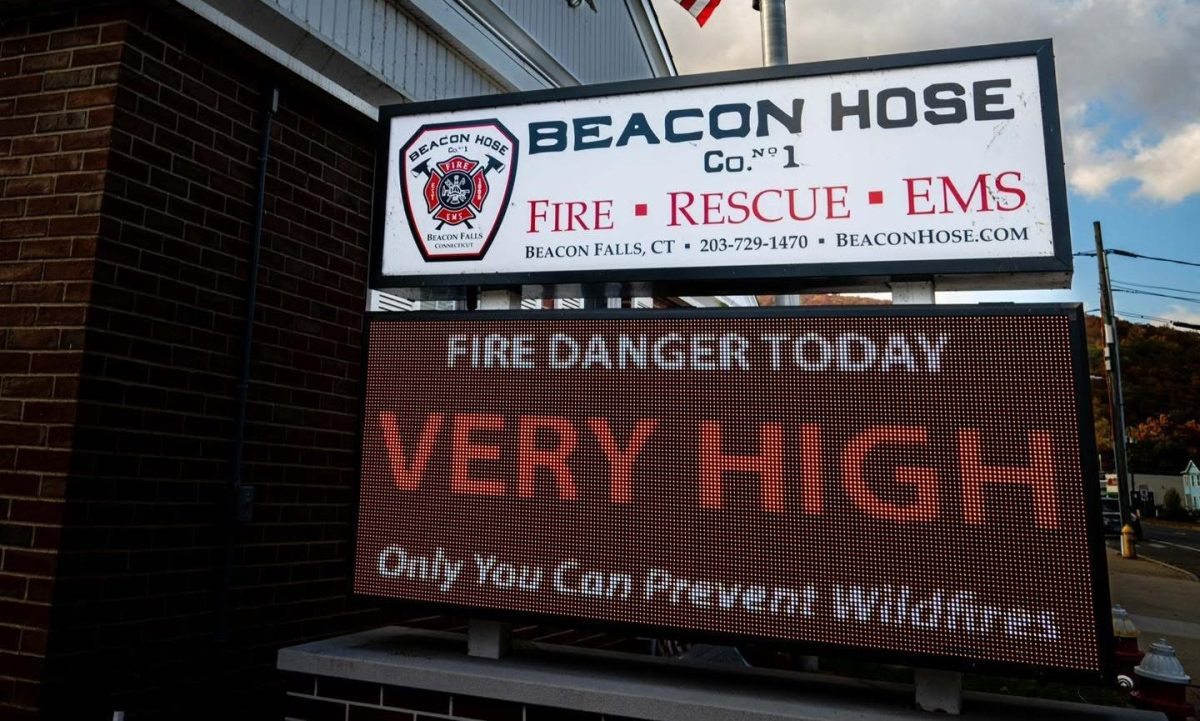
423,168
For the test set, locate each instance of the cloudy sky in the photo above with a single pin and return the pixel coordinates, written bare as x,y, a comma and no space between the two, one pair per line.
1129,90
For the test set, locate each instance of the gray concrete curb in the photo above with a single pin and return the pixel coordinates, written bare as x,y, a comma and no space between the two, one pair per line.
1177,569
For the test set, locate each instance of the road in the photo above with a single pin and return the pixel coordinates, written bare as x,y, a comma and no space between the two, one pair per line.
1176,545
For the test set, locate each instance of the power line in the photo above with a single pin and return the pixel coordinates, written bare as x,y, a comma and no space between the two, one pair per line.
1135,291
1156,287
1131,254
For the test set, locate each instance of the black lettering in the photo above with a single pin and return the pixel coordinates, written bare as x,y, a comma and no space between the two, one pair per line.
588,128
768,109
673,135
984,99
935,101
714,120
862,110
883,105
637,125
548,136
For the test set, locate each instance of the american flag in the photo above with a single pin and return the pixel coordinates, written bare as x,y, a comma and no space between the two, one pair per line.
700,9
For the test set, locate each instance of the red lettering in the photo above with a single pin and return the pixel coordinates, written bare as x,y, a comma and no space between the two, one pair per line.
463,451
558,212
913,195
767,464
577,209
1039,476
620,462
535,216
712,208
407,477
739,205
980,186
1009,190
925,479
603,213
530,457
812,205
831,202
677,209
758,213
812,469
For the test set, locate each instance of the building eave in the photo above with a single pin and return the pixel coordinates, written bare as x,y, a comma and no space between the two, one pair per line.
654,42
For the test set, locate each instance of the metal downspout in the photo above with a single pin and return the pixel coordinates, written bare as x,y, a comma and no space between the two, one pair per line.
239,496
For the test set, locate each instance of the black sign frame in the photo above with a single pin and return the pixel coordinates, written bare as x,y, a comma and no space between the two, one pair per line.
977,273
1097,550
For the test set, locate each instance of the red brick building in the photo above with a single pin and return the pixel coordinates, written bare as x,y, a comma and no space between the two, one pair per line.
130,136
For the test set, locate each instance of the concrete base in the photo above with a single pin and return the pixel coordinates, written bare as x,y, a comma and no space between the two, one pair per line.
938,690
488,639
619,684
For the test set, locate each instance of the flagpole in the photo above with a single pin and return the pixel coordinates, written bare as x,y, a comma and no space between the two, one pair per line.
774,31
773,14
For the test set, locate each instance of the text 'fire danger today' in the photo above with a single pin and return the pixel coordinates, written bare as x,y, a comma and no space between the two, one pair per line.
899,352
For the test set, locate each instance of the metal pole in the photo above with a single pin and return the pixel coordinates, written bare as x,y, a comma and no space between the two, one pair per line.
773,14
774,31
1112,368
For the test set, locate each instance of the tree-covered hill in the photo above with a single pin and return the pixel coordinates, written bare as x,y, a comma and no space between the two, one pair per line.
1161,369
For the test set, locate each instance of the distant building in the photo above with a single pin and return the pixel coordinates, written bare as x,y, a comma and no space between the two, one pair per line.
1157,485
1191,486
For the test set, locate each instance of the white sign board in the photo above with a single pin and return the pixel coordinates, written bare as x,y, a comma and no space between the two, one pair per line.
944,166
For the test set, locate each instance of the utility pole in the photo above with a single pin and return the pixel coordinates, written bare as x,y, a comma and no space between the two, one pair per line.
1112,369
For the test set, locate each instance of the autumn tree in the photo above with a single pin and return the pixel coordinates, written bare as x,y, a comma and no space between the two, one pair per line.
1161,375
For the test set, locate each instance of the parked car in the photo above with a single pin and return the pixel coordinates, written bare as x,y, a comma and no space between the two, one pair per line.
1110,507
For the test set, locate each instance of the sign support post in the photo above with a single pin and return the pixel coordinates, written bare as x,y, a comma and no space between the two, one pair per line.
485,638
935,690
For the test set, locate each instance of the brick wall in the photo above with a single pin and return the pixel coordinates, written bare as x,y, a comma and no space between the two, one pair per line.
57,79
321,698
124,265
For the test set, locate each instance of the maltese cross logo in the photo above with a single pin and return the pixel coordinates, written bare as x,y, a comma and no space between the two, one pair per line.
457,188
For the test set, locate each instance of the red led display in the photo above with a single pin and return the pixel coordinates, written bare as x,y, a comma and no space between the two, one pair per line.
914,482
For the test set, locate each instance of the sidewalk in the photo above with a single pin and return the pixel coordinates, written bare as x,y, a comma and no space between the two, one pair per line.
1164,603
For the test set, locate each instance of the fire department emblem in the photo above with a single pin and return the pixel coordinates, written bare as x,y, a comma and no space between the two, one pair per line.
456,181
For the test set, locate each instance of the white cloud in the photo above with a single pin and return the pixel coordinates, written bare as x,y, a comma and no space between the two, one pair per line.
1170,171
1121,64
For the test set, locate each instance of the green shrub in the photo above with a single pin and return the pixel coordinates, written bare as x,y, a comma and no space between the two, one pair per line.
1173,506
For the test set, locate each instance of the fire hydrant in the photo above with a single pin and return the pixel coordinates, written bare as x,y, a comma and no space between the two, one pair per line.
1127,654
1162,684
1127,542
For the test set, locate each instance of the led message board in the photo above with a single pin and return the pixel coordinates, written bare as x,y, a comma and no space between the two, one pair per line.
912,481
944,165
